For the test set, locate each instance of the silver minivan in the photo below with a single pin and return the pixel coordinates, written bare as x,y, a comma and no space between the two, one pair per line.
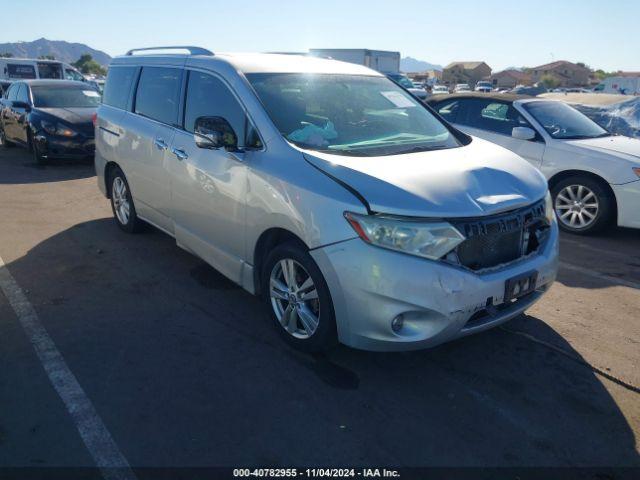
355,211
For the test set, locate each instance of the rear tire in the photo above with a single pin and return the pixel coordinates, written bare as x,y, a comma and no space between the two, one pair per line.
124,211
298,299
583,205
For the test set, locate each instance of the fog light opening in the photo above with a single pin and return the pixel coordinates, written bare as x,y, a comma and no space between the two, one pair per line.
397,323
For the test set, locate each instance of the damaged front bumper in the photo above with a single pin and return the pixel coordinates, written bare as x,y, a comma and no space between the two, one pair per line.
437,301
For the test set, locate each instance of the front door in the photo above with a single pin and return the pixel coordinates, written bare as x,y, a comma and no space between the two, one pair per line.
209,186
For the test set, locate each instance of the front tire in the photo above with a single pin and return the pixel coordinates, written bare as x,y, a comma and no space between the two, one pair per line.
124,211
4,143
296,294
583,205
35,151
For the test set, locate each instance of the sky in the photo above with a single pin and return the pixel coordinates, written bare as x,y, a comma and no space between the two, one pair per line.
602,34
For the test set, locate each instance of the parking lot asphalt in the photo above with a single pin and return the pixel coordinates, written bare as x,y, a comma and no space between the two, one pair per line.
184,368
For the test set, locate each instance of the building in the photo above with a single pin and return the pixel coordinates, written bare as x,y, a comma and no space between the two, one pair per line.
566,73
509,79
429,76
465,72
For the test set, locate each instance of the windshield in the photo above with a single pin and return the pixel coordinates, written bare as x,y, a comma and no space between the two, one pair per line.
349,114
564,122
64,97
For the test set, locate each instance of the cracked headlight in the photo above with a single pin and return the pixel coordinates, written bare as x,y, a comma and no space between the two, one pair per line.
425,239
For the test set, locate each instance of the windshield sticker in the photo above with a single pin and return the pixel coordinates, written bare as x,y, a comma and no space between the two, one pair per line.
91,93
398,99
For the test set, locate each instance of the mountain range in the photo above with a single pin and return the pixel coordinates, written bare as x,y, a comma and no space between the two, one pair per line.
60,50
409,64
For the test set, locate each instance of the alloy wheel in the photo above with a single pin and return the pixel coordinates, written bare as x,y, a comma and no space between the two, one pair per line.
294,298
120,200
576,206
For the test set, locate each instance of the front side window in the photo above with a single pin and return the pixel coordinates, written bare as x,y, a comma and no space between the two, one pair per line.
158,94
118,86
70,74
64,97
564,122
208,96
353,115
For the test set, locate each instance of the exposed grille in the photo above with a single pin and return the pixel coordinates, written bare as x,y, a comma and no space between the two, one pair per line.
502,238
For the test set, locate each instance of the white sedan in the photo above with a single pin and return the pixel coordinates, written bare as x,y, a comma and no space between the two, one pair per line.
594,176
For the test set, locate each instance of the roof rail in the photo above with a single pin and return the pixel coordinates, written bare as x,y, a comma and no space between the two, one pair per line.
190,49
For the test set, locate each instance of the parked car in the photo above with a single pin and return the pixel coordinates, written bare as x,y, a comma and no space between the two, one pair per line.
528,90
325,188
12,69
52,118
439,89
484,87
594,176
462,87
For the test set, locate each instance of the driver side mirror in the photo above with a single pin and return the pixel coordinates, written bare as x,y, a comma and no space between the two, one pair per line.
215,132
523,133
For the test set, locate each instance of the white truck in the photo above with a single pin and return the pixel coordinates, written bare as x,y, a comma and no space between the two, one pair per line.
622,85
381,60
12,69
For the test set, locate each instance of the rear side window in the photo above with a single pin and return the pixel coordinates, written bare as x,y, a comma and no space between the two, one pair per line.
23,94
449,110
12,93
493,116
21,71
118,86
159,93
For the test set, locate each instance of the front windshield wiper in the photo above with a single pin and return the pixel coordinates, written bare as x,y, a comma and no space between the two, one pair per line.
424,148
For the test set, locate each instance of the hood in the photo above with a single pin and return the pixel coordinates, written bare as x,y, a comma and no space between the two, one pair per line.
79,118
475,180
616,144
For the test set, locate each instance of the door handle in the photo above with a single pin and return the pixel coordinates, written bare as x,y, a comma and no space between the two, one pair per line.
181,154
160,144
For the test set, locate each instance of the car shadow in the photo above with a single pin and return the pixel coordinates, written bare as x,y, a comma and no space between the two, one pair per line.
168,349
17,166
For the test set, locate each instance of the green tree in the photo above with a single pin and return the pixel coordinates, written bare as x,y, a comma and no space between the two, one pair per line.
549,81
86,64
6,55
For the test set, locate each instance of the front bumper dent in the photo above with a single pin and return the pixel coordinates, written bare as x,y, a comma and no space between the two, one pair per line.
370,286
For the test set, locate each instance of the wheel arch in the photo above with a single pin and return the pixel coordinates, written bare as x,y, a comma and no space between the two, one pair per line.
267,241
108,168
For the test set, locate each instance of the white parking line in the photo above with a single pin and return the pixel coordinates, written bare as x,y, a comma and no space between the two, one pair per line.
92,430
600,276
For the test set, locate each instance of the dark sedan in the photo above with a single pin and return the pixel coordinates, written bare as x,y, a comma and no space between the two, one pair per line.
52,118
